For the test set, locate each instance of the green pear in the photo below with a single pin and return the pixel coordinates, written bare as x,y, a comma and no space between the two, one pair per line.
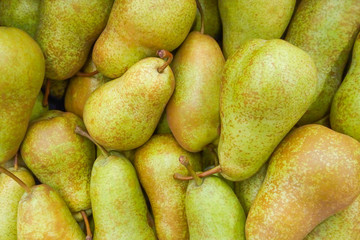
156,162
212,19
163,125
193,110
22,70
118,204
122,114
66,32
38,108
326,30
345,109
59,157
21,14
313,174
137,29
244,20
58,88
10,195
267,86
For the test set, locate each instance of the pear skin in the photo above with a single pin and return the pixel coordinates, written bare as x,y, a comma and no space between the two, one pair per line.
313,174
163,125
211,18
38,108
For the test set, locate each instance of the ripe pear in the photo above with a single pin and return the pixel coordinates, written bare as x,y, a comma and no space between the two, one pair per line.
313,174
38,108
156,162
267,86
211,18
66,32
345,109
122,114
326,30
21,14
244,20
193,110
163,125
137,29
59,157
22,70
10,195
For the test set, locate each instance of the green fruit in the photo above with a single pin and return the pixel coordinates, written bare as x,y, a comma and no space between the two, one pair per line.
313,174
38,108
137,29
212,19
245,20
22,70
326,30
267,86
163,125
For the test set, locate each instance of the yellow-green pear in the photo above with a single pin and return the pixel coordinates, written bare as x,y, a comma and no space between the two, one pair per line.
212,19
163,125
38,108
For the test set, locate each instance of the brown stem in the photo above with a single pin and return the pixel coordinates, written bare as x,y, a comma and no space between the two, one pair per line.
201,16
83,74
16,165
211,148
184,161
18,180
45,101
209,172
81,132
87,225
164,54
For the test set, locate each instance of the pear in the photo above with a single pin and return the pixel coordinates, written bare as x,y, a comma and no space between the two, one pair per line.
58,88
66,32
313,174
156,162
137,29
59,157
21,14
122,114
244,20
38,108
326,30
10,195
267,86
21,75
211,18
163,125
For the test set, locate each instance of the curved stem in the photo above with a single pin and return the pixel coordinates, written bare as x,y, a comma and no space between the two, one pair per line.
16,165
211,148
184,161
81,132
83,74
87,225
209,172
45,101
18,180
164,54
201,16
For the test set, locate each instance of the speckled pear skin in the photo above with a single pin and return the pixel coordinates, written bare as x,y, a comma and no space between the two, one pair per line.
38,108
193,110
10,195
313,174
156,162
341,226
247,190
212,19
267,86
326,30
66,32
213,211
43,214
163,125
243,20
118,204
137,29
59,157
22,70
123,114
345,109
22,14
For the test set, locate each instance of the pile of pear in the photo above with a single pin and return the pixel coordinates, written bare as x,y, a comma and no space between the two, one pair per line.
181,119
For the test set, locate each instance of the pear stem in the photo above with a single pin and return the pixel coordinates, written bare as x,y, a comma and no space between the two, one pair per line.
81,132
45,101
209,172
184,161
164,54
201,16
83,74
213,152
87,225
16,165
18,180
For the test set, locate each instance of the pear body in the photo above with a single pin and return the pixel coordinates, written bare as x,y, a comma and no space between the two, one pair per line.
156,162
313,174
212,21
244,20
118,204
326,30
137,29
66,32
59,157
267,86
21,75
57,88
193,110
43,214
163,125
38,108
123,114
